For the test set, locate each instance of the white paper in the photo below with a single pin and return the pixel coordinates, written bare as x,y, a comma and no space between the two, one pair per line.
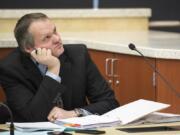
35,126
135,110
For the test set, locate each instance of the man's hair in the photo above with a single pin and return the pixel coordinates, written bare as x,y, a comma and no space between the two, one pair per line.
21,33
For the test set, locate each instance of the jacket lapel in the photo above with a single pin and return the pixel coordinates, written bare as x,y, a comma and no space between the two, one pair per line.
66,74
33,73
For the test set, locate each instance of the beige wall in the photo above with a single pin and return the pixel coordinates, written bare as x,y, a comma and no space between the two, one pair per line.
88,24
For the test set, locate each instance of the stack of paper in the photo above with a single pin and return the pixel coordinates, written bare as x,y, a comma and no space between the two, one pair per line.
119,116
37,126
89,121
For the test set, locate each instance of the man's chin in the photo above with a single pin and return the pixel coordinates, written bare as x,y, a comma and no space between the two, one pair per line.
59,52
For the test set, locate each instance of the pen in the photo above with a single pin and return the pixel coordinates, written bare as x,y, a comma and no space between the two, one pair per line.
58,133
88,131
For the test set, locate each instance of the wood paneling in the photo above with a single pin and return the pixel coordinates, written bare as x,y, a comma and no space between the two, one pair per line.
2,94
170,69
3,53
132,78
135,79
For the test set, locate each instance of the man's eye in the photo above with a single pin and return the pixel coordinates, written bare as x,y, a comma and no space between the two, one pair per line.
47,37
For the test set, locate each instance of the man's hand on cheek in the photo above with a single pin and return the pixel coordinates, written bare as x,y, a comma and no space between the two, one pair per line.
44,56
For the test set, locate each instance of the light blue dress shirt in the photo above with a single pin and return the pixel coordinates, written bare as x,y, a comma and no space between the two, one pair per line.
43,70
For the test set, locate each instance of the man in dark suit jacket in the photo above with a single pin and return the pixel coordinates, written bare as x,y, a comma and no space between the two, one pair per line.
45,80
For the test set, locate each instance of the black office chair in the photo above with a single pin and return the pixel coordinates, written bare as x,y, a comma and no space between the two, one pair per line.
4,114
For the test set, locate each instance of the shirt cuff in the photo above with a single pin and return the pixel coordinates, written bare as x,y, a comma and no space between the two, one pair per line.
85,112
53,76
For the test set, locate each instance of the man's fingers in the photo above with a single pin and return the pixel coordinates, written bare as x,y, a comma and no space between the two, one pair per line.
39,51
53,114
33,52
49,52
50,116
44,51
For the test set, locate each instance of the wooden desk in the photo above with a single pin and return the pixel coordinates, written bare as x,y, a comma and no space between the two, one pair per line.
4,126
113,131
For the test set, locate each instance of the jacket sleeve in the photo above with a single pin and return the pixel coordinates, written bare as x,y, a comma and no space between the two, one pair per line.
23,99
99,93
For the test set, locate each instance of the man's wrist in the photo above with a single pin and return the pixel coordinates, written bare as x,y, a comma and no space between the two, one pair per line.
54,70
54,76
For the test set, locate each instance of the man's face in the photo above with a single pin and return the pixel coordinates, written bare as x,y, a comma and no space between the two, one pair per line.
45,36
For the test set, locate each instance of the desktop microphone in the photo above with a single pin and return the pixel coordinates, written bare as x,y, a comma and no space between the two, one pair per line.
168,84
11,117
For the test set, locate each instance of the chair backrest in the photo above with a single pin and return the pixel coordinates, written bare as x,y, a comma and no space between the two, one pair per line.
2,95
4,114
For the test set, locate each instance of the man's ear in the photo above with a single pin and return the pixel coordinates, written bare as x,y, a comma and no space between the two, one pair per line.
28,49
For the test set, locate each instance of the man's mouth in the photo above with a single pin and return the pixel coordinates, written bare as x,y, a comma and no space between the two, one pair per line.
59,45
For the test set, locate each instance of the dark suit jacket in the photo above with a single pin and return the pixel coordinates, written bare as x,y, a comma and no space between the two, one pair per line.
31,96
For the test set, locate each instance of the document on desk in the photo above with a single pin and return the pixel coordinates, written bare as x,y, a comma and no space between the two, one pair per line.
37,126
159,117
119,116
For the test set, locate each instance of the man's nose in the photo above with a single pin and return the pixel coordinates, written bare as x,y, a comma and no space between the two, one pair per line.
56,38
